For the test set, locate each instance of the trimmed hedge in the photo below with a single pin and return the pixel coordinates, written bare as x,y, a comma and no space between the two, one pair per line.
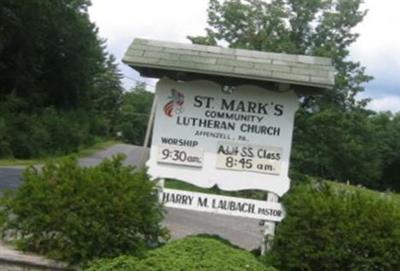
333,227
189,254
77,214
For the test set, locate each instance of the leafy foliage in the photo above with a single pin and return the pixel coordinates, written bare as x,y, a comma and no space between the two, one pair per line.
312,27
343,146
335,137
48,133
105,99
134,115
387,134
329,227
191,253
49,51
76,214
52,62
354,146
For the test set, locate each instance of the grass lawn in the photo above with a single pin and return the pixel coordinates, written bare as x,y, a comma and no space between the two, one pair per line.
251,194
261,195
353,188
81,153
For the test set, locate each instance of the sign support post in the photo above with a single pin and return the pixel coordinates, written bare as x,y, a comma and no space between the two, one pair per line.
268,229
150,123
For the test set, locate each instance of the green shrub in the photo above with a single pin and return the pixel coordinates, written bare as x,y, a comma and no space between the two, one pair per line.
189,254
76,214
331,227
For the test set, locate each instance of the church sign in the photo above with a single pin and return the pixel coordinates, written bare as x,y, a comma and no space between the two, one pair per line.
238,139
224,117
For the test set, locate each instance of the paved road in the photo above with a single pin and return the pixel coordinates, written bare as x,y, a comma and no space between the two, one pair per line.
242,232
10,178
133,155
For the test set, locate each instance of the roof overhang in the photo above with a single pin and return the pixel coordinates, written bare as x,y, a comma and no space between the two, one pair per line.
307,75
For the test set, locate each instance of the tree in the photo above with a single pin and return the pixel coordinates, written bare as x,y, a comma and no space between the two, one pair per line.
134,115
59,88
337,145
49,52
105,97
311,27
332,135
386,131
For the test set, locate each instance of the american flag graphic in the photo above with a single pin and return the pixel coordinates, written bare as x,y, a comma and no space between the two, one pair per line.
176,102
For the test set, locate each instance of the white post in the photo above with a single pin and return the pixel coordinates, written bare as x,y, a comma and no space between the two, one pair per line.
150,123
161,183
268,227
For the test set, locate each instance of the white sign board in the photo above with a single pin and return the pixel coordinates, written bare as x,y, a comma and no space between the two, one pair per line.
264,210
238,140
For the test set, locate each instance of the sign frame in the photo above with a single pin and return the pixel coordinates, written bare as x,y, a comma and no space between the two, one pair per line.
181,96
223,205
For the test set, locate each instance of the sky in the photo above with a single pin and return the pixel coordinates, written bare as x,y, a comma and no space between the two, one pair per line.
378,47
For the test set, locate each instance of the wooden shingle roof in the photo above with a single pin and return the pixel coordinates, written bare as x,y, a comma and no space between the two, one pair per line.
155,58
